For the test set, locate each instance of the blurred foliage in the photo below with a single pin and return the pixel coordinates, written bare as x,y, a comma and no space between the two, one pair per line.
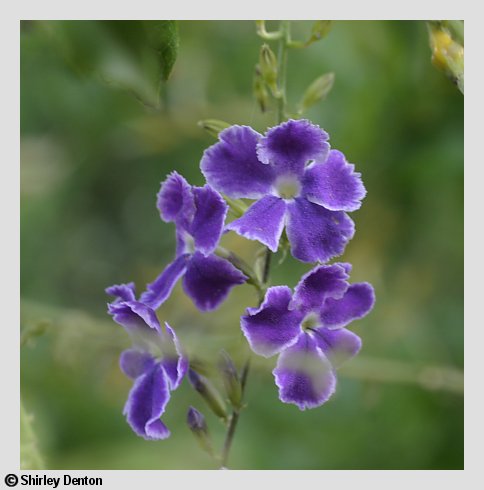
30,457
95,144
447,43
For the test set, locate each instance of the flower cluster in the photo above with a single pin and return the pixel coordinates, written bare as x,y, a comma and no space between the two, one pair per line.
296,183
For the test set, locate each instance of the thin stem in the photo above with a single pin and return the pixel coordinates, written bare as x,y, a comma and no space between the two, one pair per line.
242,265
267,36
284,42
267,266
234,419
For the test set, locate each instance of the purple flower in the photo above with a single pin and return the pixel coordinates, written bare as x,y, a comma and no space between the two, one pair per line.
297,182
199,215
156,362
307,330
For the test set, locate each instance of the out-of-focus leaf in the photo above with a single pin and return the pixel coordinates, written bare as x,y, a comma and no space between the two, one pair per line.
165,40
131,55
30,458
447,52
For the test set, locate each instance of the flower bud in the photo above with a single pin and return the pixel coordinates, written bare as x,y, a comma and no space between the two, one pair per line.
208,392
317,91
268,67
260,91
196,423
319,30
231,379
213,126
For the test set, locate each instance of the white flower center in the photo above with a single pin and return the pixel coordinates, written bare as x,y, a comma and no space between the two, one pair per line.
310,321
189,243
287,186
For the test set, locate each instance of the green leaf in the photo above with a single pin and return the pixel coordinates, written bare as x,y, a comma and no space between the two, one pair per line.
165,40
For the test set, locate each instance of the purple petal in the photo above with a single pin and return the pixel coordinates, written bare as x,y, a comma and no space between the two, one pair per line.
338,345
325,281
146,313
304,375
146,403
231,166
316,234
208,222
138,320
175,200
263,221
158,291
290,145
273,326
123,292
334,184
208,280
134,363
174,362
356,303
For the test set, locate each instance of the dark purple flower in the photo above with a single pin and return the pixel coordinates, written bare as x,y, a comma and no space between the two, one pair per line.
297,182
156,362
199,215
307,330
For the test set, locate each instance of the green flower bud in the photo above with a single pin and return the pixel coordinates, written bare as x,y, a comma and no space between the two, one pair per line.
213,126
317,91
196,423
319,30
268,67
260,92
231,380
209,393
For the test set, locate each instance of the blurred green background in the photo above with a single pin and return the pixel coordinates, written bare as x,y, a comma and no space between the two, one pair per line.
94,148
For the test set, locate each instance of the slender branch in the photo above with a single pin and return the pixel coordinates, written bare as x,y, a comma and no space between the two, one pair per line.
267,36
284,43
242,265
234,419
267,267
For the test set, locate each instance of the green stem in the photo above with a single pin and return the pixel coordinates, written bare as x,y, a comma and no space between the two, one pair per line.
267,36
284,42
242,265
267,267
234,419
